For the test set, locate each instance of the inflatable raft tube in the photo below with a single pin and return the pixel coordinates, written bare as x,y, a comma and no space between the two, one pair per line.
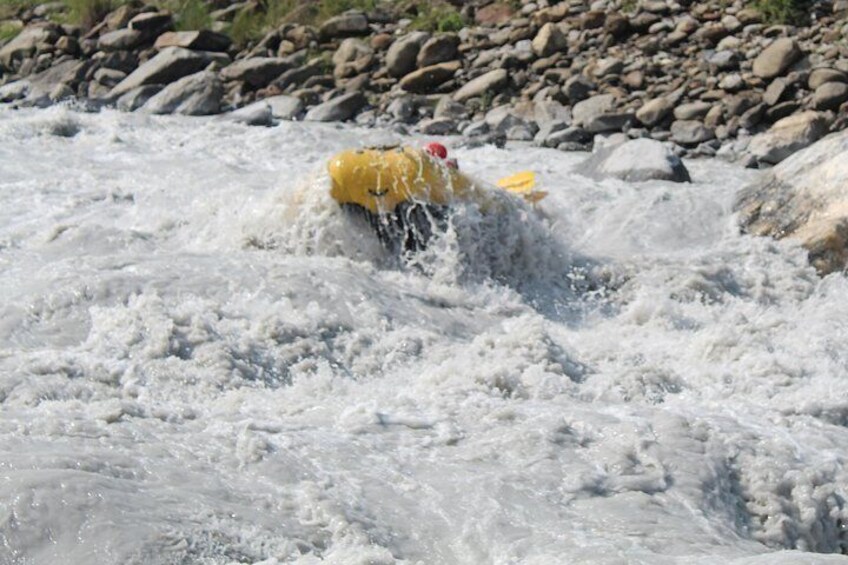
379,180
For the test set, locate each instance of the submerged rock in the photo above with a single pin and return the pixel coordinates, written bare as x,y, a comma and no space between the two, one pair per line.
635,160
804,198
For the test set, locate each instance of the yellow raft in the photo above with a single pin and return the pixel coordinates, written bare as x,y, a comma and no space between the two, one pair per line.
380,179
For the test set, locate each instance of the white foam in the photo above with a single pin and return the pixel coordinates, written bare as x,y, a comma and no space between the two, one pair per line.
202,359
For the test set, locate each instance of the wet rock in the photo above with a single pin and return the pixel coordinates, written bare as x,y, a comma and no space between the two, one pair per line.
169,65
256,71
14,91
549,40
137,97
403,53
343,25
566,135
46,87
804,198
256,114
830,95
635,160
284,107
654,111
493,82
776,58
690,132
439,49
338,109
198,94
788,136
25,43
437,126
202,40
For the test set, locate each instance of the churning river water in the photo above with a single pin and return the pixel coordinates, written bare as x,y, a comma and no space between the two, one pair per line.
204,360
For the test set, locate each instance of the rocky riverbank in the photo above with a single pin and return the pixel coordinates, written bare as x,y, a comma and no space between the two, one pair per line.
710,77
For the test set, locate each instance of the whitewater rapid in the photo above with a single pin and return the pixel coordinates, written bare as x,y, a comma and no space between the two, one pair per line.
203,360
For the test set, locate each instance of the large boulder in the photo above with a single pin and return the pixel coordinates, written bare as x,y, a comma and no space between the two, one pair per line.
121,40
168,65
654,111
493,81
776,58
598,114
787,136
403,53
24,44
44,85
198,94
635,160
804,198
338,109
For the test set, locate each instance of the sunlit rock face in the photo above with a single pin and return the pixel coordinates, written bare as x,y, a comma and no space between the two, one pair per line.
806,198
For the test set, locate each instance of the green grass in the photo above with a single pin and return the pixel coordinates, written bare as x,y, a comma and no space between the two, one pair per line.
9,30
438,17
792,12
191,15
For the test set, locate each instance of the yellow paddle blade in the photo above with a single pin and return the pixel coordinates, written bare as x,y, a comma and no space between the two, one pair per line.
520,183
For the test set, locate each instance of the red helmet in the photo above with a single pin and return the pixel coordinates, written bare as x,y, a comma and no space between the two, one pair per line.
436,150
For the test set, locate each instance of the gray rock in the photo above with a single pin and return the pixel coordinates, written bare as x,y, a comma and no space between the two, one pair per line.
830,95
608,66
577,88
301,74
690,132
170,64
201,40
438,49
819,77
692,110
476,129
256,71
447,108
428,79
521,132
343,25
403,53
137,97
549,40
635,160
725,60
493,81
284,107
437,126
256,114
199,94
350,50
338,109
585,110
570,135
152,23
403,109
804,198
777,90
550,111
45,87
121,40
14,91
655,111
109,77
776,58
503,118
788,136
24,44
